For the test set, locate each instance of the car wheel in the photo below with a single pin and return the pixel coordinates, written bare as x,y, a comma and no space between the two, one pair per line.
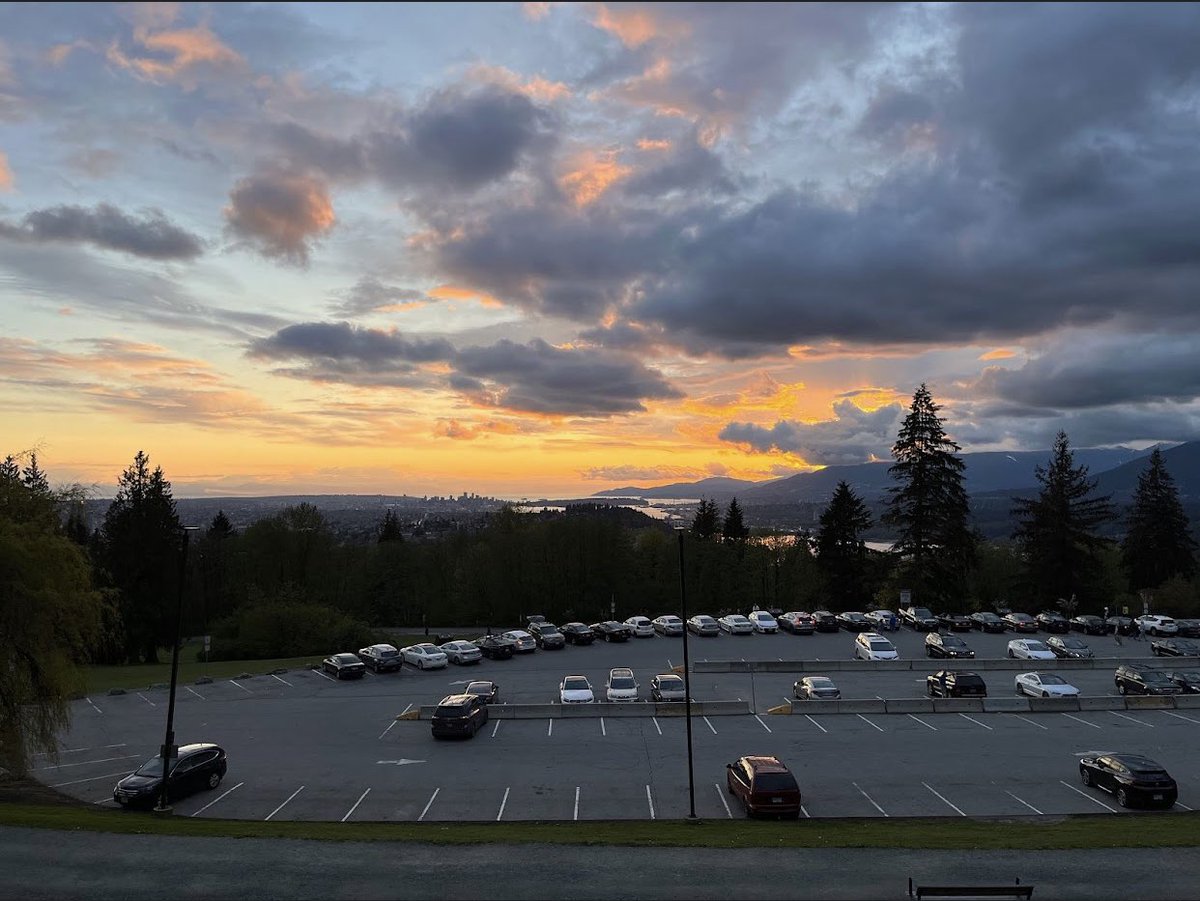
1085,776
1045,694
214,779
1011,655
420,664
1122,797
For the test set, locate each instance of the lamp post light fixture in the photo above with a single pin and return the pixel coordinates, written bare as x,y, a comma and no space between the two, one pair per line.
169,751
687,682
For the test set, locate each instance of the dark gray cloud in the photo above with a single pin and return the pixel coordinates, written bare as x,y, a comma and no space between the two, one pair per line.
151,235
687,166
852,436
280,213
341,342
369,295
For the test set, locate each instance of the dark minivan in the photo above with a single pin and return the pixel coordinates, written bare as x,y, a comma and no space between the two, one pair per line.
459,715
765,786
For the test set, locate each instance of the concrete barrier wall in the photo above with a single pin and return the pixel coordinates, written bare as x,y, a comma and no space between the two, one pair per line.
1187,702
909,705
923,664
958,705
1039,705
1005,705
1101,703
1149,702
866,705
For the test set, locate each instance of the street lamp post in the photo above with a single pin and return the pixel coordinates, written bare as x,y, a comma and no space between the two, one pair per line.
687,683
169,750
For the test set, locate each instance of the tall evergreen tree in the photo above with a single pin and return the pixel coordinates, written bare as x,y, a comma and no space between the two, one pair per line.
390,529
1058,530
929,507
220,528
841,551
1158,542
733,526
707,520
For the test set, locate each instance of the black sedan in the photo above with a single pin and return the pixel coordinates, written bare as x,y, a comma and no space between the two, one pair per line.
1068,647
1187,680
1188,628
344,666
956,622
1088,624
1175,647
939,645
495,647
951,684
198,767
611,630
578,633
1049,621
1021,622
854,621
987,621
488,691
1131,778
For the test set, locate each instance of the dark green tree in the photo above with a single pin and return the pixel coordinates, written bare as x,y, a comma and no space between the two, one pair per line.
707,520
390,529
143,539
1058,531
733,526
220,528
841,551
1158,541
929,507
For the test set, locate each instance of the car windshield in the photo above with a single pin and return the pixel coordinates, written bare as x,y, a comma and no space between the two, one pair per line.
953,641
346,658
738,619
820,683
968,679
152,767
1051,679
1035,646
1073,643
923,613
451,711
704,620
388,652
879,646
548,630
672,620
774,782
1154,676
988,617
621,682
1022,617
479,688
1188,677
672,684
576,684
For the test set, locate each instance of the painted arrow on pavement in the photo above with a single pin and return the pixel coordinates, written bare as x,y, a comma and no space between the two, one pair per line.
400,762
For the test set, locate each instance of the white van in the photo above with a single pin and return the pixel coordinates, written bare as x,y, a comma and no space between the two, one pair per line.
873,646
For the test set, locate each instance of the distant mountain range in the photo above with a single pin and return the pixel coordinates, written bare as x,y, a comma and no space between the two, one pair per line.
987,473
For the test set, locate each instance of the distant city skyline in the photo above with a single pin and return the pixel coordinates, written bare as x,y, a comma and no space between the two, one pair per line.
538,250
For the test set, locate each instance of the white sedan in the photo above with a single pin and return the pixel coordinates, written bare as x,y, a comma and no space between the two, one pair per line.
1045,685
462,652
736,624
576,690
762,621
424,655
641,625
1029,649
524,642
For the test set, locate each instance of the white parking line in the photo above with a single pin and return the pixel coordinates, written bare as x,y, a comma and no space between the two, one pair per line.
1183,806
710,725
211,803
761,723
724,803
656,725
1031,722
284,804
1089,797
804,811
576,802
196,693
93,779
1078,720
1180,716
669,664
868,722
603,731
79,750
59,766
94,707
1026,803
497,729
146,699
976,722
289,685
430,804
1131,719
550,729
242,687
503,801
815,723
869,798
324,676
388,729
650,801
936,792
922,722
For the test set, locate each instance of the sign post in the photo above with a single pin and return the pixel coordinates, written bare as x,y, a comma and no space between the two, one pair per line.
207,647
905,597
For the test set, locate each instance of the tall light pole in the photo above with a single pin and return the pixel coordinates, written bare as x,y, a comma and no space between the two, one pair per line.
169,750
687,682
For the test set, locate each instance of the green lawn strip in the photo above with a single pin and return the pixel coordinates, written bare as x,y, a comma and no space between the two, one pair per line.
1082,832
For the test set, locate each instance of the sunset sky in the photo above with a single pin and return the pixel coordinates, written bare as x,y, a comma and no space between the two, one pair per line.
543,249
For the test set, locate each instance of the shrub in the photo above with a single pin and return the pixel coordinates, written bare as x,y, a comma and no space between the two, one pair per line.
286,629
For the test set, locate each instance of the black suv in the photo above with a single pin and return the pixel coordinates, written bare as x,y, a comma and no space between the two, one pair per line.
826,621
578,633
1049,621
919,618
1140,680
547,637
939,645
459,715
950,684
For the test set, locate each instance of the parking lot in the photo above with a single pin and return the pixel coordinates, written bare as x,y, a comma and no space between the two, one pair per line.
305,747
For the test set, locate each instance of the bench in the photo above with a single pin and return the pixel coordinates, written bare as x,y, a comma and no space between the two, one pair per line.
970,891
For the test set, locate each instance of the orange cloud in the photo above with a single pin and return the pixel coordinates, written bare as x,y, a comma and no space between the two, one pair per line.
58,54
649,144
633,26
594,173
536,11
1000,353
457,292
537,88
6,176
181,55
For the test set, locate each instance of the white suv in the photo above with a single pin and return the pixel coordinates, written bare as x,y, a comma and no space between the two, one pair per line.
763,621
621,685
1153,624
641,625
873,646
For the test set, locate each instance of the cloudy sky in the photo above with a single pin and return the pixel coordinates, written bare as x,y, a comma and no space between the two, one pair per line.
541,249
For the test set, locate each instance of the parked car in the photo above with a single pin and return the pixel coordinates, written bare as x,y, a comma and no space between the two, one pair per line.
883,620
611,630
344,666
703,624
1044,685
197,767
873,646
955,622
1153,624
919,618
547,637
1020,622
735,624
641,625
381,658
762,621
986,621
621,685
424,656
764,786
495,647
954,684
575,690
825,621
1088,624
1174,647
462,652
816,688
668,625
1068,647
459,715
1187,680
854,621
1121,625
939,645
1029,649
485,689
798,622
1134,679
1188,628
523,642
1131,778
1056,623
578,633
667,687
